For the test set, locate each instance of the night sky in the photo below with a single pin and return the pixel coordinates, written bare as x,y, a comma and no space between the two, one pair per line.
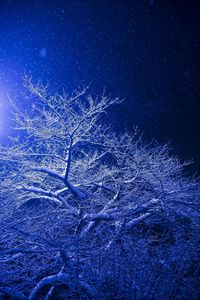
146,51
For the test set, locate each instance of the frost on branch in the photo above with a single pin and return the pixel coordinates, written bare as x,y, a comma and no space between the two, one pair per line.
98,205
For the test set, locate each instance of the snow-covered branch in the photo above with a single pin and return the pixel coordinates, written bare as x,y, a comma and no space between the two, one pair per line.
62,278
115,202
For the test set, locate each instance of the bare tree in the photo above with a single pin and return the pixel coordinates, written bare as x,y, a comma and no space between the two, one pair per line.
71,188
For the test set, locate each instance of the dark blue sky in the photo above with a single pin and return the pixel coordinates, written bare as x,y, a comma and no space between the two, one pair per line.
147,51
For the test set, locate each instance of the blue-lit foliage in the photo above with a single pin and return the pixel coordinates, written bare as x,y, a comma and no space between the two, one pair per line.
87,213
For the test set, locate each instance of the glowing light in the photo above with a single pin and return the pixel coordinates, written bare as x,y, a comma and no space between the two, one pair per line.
3,112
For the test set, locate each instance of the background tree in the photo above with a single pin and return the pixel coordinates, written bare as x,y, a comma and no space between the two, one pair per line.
89,213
